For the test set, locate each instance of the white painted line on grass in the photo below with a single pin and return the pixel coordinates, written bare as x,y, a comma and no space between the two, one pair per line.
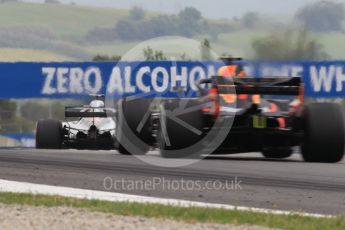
38,189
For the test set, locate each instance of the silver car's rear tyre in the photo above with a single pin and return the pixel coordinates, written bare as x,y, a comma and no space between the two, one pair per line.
49,134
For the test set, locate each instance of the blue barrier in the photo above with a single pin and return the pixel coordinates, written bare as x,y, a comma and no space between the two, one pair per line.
65,80
62,80
23,140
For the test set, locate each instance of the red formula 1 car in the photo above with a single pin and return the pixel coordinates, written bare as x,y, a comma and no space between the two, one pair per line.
218,122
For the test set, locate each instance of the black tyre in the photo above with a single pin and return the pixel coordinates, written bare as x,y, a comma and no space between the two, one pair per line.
122,150
134,134
49,134
177,134
276,153
323,124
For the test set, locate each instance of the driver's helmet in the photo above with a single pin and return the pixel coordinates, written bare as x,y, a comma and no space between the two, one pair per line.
231,68
97,104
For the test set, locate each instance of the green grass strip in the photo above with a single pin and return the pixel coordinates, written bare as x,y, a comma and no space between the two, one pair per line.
190,215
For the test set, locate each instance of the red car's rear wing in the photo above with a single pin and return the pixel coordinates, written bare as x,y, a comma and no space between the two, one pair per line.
262,86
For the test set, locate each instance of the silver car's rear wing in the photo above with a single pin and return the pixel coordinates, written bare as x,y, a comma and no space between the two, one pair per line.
88,112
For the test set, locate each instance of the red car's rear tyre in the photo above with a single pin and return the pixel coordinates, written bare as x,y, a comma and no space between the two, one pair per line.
131,116
179,136
276,153
324,139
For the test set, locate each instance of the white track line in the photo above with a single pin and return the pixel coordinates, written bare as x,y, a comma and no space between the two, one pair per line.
23,187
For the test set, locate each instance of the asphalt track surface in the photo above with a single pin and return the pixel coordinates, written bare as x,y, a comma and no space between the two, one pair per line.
287,184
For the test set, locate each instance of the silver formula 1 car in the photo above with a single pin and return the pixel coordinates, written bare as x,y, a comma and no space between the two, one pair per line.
92,127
